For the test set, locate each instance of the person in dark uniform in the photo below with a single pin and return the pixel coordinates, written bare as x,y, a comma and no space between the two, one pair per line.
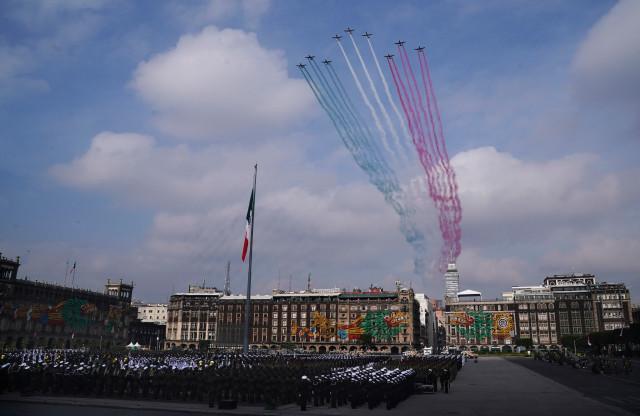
444,380
304,392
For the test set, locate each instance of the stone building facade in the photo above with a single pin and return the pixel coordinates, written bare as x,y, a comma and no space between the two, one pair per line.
151,312
480,324
192,318
312,320
536,316
38,314
571,304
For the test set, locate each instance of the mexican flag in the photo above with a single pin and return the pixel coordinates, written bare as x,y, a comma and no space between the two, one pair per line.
247,229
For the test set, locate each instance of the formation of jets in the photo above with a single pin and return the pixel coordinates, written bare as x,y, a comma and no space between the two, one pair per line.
366,35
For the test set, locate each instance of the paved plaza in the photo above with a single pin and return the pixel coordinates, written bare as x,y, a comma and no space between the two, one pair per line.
493,386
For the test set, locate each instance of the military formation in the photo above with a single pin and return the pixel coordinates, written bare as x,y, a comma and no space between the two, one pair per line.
599,364
226,379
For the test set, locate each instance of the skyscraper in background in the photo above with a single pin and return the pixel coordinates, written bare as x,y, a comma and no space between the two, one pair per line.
451,283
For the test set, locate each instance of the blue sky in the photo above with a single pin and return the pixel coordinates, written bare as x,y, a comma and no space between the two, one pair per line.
128,131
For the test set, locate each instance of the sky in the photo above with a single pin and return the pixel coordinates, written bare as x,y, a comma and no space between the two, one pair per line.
129,131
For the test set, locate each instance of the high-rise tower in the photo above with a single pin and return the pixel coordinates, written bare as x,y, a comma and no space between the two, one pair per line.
451,283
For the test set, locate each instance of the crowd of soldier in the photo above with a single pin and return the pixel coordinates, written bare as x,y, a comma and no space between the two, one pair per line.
321,379
600,364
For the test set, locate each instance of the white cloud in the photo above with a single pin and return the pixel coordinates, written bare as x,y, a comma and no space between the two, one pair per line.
524,219
478,270
199,13
597,252
498,188
607,64
308,223
177,178
305,222
221,83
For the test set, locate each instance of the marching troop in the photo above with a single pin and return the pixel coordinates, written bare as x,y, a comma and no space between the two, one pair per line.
226,379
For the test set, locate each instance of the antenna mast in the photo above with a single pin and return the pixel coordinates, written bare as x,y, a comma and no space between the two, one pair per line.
227,280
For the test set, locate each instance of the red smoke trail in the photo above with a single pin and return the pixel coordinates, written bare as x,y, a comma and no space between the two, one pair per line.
430,92
409,75
436,160
423,155
443,196
436,166
421,141
447,193
411,121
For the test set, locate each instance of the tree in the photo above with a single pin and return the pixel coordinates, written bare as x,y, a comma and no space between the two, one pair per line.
524,342
571,341
366,341
287,346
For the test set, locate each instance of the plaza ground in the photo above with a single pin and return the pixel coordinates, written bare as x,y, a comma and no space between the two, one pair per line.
493,386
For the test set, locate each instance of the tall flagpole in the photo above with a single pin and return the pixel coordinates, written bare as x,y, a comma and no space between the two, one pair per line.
247,308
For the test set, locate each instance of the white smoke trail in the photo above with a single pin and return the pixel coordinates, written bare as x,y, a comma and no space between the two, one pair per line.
374,90
372,110
390,97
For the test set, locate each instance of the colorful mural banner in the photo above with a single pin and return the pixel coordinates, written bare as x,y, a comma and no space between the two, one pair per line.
380,325
502,324
482,325
74,312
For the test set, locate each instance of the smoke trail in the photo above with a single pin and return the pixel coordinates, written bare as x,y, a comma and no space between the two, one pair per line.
333,102
424,66
439,135
343,106
364,154
416,101
321,100
372,110
442,165
388,93
374,90
362,130
423,155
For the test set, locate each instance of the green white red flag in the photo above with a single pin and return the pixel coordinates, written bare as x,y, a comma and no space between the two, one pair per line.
247,230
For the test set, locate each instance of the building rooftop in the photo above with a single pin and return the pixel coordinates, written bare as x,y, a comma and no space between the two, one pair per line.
198,294
469,292
306,293
253,297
